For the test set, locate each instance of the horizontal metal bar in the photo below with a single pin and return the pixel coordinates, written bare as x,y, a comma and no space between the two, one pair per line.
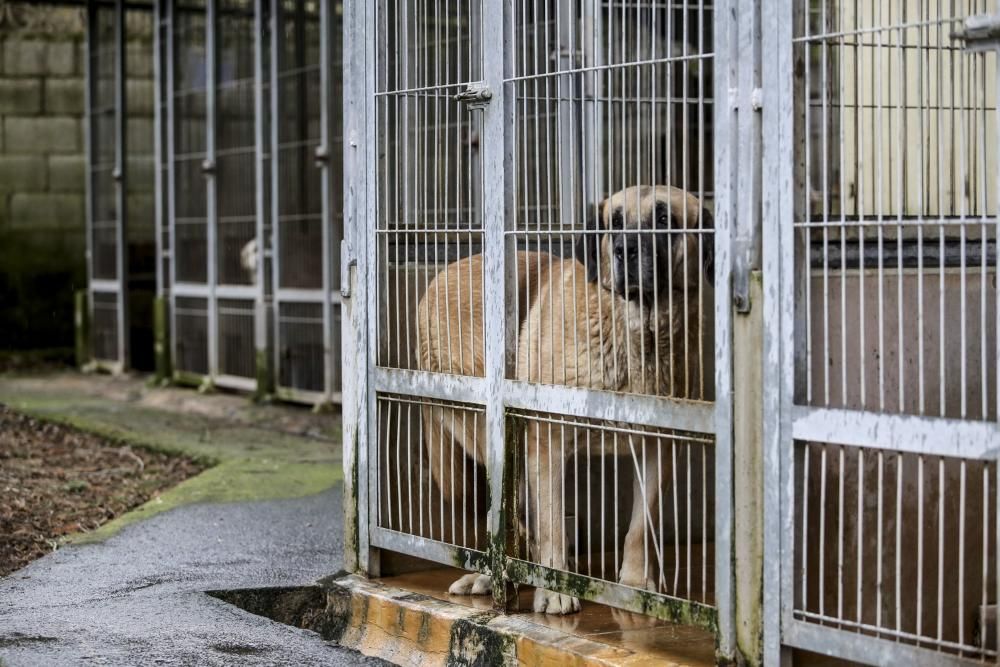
660,606
248,292
293,395
432,550
610,406
441,386
863,648
235,382
190,289
110,286
300,295
934,436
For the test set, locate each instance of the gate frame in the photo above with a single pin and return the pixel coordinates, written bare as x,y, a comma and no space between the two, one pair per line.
119,285
326,296
210,290
362,375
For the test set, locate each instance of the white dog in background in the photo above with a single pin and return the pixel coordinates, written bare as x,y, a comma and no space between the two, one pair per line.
249,257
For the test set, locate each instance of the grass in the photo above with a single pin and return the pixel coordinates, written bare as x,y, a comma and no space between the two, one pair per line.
248,462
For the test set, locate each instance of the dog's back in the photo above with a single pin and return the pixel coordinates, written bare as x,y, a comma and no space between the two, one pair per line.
450,330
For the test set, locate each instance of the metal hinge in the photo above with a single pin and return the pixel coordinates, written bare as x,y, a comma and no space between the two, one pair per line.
476,96
980,32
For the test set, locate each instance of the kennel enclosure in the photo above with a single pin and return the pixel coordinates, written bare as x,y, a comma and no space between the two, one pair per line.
848,154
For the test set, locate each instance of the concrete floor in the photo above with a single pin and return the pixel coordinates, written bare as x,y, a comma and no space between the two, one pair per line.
137,598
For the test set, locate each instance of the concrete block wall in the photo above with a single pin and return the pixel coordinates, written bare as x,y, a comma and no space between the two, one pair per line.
43,169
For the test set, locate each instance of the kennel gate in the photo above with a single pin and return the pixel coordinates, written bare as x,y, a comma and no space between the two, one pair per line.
456,118
881,187
106,243
215,195
119,184
306,183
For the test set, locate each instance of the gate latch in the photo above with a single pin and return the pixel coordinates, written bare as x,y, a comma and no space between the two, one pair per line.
347,260
476,96
980,32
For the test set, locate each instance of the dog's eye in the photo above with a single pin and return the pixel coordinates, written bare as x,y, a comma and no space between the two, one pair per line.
663,220
616,220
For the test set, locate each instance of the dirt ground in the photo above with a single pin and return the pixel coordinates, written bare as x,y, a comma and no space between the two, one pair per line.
55,481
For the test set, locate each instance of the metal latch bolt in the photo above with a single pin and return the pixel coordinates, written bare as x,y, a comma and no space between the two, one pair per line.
980,32
476,96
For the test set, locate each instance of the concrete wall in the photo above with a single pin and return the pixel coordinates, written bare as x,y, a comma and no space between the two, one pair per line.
43,167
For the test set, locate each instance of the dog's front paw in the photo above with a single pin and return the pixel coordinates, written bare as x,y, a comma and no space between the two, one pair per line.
472,584
548,602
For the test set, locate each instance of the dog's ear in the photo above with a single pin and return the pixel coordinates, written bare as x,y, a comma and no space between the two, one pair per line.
587,246
708,245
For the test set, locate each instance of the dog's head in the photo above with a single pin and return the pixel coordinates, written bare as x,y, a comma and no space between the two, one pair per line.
645,240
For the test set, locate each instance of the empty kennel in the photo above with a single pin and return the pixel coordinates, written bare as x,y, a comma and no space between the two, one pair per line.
888,269
120,219
250,180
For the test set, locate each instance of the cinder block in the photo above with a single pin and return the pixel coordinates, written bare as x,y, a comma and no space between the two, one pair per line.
20,96
24,57
64,96
22,173
67,173
141,210
139,97
139,59
42,135
62,58
46,211
141,174
140,136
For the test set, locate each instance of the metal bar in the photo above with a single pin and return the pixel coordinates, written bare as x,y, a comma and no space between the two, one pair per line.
664,607
171,178
429,549
328,241
903,433
211,212
261,302
277,53
88,142
158,147
863,648
121,179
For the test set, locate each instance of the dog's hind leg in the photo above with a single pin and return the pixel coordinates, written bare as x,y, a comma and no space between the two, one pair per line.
641,556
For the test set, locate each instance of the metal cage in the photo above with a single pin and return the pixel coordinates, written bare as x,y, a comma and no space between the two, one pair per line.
120,218
882,176
210,59
475,167
847,151
249,136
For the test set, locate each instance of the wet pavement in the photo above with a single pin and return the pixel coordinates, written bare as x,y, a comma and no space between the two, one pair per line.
138,598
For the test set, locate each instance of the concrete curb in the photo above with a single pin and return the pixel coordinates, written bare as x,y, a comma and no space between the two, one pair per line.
414,629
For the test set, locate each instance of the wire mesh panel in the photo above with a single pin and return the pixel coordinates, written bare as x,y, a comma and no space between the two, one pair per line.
215,188
426,486
543,265
894,400
107,267
191,342
307,186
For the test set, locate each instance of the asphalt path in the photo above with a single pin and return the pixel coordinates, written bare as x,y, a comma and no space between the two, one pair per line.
139,597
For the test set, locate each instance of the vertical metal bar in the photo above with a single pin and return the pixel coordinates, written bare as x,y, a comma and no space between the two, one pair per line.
88,141
275,106
726,221
357,326
260,182
212,214
327,38
158,147
121,179
171,176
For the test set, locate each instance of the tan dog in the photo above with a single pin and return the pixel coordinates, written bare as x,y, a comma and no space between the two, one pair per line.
619,317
